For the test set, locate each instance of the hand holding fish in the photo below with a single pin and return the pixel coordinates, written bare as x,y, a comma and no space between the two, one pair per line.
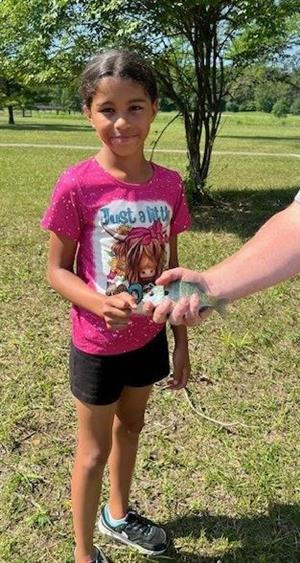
183,299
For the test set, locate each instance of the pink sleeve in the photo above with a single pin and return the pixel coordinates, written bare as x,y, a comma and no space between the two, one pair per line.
181,220
63,215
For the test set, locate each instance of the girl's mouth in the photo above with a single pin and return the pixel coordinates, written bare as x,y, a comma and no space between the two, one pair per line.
123,139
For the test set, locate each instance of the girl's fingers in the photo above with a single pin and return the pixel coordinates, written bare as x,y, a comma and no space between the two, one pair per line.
175,384
181,382
117,316
116,319
112,324
124,301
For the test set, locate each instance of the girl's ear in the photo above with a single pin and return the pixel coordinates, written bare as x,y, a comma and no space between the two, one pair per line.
155,109
88,115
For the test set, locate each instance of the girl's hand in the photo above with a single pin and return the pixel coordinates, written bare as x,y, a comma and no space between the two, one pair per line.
116,310
181,368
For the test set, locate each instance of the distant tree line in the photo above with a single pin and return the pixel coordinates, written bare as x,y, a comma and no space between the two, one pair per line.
201,50
261,88
39,96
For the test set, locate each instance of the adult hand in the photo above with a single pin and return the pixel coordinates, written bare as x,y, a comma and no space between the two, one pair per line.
186,311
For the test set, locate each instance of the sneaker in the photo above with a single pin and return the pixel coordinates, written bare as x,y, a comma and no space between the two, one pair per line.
136,531
100,557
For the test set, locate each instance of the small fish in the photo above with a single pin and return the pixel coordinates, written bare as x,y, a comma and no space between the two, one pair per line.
177,289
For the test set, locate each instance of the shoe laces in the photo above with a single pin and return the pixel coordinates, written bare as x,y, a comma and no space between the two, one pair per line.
138,523
99,557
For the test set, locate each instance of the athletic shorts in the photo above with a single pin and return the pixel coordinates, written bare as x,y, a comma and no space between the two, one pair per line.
99,380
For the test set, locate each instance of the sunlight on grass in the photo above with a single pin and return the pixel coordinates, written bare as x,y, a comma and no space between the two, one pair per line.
228,495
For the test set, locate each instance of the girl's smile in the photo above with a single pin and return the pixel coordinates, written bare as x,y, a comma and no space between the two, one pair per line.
123,138
122,112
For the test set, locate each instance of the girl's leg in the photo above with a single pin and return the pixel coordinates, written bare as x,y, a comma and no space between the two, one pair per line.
93,448
127,425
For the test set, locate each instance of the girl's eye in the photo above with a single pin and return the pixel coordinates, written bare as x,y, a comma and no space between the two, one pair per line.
135,108
107,110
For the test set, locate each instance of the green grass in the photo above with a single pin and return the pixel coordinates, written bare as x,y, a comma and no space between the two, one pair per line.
229,495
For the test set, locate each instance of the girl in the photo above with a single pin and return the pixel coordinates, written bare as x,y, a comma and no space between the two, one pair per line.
116,356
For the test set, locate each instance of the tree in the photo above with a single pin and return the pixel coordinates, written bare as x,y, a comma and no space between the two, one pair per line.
280,108
10,79
259,87
15,62
35,48
190,44
295,107
66,96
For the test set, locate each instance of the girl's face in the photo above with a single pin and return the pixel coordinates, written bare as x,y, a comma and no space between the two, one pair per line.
122,112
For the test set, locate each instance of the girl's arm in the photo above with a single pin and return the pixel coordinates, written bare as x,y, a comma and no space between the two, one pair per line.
115,309
181,362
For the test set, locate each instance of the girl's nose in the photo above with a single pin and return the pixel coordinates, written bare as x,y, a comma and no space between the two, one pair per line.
121,122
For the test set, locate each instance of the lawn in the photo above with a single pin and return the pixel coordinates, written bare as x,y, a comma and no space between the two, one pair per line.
224,493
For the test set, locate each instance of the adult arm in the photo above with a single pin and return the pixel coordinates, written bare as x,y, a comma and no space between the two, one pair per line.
270,257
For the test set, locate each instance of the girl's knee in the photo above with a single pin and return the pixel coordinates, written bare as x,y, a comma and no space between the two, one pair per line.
132,426
93,461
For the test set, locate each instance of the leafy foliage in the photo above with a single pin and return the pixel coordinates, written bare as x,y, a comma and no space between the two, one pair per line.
198,48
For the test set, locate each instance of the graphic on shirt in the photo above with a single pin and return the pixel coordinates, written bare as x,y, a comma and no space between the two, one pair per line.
138,258
135,248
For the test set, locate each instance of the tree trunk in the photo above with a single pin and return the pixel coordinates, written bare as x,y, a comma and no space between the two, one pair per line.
203,116
198,162
11,120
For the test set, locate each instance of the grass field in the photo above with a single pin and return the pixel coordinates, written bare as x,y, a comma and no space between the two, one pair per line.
223,494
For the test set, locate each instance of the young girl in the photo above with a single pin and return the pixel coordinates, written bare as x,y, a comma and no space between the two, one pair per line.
113,221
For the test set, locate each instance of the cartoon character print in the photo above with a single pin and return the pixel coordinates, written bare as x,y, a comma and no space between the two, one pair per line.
138,258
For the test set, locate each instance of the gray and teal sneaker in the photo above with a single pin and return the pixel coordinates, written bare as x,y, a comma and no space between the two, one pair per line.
100,557
137,532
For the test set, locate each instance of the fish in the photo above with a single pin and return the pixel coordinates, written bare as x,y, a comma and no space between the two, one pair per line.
178,289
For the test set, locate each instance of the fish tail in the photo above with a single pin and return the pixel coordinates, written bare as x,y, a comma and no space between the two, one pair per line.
221,306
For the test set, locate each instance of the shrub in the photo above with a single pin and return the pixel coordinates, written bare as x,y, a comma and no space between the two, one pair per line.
280,108
248,106
232,106
295,107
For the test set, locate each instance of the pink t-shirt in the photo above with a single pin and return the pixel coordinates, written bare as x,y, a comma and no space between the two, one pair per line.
123,232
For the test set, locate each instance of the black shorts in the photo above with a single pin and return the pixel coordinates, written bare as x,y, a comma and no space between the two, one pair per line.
99,380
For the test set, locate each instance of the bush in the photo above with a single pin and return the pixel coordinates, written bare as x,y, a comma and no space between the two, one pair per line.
165,104
232,106
248,106
280,108
295,107
265,98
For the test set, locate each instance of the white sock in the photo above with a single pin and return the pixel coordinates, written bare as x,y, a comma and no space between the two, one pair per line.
112,521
